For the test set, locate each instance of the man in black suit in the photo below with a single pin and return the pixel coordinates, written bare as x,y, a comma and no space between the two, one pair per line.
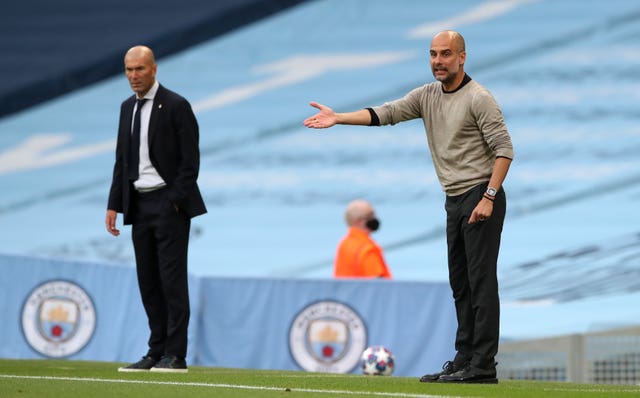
154,186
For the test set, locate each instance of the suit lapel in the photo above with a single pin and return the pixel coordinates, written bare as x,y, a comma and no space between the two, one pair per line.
127,119
158,107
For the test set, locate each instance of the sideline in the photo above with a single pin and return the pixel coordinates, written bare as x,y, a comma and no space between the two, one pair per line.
230,386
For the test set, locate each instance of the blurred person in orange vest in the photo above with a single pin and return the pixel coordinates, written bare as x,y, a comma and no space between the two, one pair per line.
358,256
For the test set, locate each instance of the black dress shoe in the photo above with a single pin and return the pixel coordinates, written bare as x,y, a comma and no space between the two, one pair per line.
171,364
448,368
143,365
471,374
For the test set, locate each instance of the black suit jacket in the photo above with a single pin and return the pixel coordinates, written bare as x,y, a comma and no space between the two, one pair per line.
173,150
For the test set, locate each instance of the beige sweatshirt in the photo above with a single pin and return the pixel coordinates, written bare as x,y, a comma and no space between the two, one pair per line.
465,130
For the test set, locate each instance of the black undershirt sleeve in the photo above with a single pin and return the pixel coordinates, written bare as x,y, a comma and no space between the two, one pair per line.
375,121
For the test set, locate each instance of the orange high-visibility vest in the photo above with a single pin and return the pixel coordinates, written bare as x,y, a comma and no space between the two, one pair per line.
358,256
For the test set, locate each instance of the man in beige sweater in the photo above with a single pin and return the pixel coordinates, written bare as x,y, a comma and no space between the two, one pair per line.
471,151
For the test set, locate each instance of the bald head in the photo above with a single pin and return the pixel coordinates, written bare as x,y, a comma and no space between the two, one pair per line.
140,52
140,68
358,211
452,38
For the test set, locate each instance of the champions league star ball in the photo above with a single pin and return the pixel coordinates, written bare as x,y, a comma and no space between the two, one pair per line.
377,361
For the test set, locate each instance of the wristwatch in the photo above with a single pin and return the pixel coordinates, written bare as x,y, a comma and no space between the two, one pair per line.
491,191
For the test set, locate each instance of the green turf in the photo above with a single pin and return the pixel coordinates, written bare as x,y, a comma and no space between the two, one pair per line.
81,379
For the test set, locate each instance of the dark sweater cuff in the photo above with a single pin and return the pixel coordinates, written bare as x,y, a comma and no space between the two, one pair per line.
375,121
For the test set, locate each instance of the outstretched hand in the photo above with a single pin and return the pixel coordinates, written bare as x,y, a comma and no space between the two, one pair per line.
325,118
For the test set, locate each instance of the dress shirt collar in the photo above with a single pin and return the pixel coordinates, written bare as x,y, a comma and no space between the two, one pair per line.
151,94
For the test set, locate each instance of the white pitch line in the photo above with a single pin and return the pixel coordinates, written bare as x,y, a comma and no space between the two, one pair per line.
231,386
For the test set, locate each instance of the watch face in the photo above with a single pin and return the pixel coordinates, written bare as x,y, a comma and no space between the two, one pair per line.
491,191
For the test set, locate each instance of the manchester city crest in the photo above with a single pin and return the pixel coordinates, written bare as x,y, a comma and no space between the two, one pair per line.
58,319
327,336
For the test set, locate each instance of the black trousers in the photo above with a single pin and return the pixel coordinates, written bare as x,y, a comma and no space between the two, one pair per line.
473,257
161,238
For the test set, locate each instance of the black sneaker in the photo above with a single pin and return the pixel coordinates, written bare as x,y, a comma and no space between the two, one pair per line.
171,364
142,365
471,374
447,369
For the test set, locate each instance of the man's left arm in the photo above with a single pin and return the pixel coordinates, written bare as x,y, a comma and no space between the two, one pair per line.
189,153
491,123
484,208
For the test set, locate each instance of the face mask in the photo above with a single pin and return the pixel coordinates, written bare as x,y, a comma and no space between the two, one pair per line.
373,224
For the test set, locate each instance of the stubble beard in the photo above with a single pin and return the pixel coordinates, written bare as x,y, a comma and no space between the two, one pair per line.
449,78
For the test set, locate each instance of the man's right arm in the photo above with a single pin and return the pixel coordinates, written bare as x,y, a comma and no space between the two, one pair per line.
110,221
359,118
326,117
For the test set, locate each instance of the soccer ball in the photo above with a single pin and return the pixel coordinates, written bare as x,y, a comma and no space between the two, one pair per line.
377,361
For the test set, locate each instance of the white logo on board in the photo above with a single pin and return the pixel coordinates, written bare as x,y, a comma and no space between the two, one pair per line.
327,336
58,319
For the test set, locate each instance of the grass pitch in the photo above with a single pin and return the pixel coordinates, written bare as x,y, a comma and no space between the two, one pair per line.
81,379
